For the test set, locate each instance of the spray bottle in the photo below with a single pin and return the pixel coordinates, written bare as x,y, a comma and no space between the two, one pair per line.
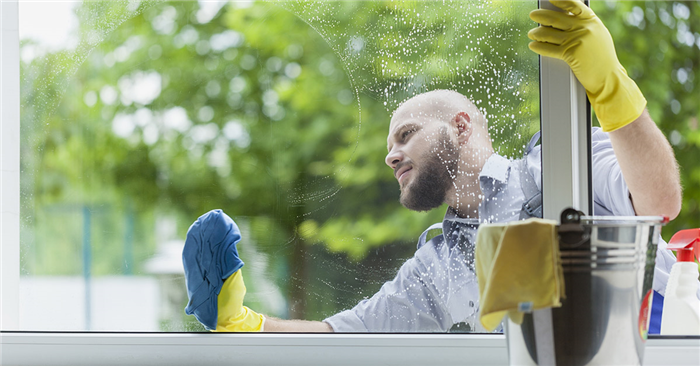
681,313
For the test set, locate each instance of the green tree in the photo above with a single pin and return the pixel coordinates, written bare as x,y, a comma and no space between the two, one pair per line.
658,42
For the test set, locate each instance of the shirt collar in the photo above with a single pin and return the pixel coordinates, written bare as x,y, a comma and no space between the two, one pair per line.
452,221
496,168
494,175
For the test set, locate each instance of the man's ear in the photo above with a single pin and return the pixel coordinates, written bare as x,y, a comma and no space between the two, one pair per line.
463,123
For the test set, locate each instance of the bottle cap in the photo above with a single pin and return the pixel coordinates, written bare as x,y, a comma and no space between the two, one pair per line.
686,243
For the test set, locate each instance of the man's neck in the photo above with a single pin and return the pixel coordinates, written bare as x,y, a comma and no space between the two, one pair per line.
465,195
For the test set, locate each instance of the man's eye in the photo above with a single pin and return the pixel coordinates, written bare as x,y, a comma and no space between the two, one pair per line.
405,134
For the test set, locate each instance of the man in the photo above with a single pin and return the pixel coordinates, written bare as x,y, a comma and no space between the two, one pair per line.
440,151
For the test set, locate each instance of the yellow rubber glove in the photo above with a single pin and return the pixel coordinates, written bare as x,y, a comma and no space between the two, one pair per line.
233,316
578,37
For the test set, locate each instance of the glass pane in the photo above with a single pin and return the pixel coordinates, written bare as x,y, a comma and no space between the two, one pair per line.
138,117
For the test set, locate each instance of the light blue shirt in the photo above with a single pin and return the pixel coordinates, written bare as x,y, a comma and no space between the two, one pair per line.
437,288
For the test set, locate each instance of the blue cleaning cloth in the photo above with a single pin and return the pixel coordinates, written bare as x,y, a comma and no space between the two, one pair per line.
209,257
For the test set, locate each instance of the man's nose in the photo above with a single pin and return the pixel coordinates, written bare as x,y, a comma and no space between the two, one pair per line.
392,158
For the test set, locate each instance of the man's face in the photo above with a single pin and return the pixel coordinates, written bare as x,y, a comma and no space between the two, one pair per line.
424,160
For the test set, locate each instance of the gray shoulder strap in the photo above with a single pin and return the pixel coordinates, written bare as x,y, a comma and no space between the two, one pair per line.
533,142
527,181
532,206
421,240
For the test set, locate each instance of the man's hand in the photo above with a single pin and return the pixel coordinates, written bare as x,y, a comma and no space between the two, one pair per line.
233,316
578,37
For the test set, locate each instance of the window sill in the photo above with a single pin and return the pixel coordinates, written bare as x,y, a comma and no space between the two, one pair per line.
25,348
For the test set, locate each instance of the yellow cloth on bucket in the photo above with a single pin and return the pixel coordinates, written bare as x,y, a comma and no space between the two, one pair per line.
518,267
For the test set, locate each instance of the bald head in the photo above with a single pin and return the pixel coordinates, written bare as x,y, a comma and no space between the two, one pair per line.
438,105
444,109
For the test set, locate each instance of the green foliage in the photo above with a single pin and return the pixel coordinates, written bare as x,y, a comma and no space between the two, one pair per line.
658,42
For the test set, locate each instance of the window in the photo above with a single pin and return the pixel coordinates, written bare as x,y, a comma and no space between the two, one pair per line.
139,118
149,114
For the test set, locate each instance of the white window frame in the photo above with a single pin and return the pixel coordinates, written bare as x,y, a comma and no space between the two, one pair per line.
564,147
9,166
167,349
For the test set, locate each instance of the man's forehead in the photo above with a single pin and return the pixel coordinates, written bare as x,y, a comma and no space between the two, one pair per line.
419,112
431,107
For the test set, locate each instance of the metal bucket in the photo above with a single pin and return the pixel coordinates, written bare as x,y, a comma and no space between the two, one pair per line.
608,265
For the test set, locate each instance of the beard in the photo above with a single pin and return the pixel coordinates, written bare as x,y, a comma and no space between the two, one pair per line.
437,172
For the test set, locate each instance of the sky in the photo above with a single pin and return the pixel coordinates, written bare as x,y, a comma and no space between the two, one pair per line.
51,23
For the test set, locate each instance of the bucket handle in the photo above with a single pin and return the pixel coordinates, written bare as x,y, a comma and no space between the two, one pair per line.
571,233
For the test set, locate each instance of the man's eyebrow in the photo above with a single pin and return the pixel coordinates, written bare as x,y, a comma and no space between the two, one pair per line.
397,134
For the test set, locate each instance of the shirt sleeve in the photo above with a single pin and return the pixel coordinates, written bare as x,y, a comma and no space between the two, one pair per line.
430,293
610,193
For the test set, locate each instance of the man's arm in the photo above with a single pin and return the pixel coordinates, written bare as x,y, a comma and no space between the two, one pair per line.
232,316
649,167
646,160
301,326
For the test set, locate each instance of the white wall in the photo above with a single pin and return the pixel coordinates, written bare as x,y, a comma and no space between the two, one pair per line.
118,303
